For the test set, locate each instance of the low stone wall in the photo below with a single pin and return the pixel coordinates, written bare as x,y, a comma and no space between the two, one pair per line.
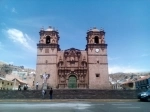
70,94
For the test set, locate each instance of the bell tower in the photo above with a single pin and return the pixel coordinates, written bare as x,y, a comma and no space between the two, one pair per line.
47,49
97,59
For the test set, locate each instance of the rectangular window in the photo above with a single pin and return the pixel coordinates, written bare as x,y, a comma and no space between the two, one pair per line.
46,50
97,75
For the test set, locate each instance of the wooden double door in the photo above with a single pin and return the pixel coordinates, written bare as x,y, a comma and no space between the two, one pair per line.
72,82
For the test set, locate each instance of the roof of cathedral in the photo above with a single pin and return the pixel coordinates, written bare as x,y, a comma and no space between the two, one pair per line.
72,49
50,29
96,30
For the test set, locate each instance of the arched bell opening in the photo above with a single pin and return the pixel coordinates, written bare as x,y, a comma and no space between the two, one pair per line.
96,39
48,40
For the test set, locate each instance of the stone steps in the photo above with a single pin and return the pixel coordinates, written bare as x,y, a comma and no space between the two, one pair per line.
70,94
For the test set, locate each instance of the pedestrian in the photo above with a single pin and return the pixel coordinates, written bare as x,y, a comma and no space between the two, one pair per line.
25,87
51,93
37,84
19,87
43,93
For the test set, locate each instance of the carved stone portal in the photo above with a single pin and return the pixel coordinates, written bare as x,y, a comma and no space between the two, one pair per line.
72,65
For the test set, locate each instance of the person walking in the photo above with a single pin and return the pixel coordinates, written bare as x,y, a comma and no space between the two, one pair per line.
37,84
25,87
43,93
51,93
19,87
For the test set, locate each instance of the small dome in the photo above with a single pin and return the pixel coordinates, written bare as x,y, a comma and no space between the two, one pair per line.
95,29
49,29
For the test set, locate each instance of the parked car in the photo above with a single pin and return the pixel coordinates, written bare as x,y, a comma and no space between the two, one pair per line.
144,95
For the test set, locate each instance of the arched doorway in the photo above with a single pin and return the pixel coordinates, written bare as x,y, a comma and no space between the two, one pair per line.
72,82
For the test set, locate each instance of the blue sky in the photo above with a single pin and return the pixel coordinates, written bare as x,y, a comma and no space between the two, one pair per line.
126,23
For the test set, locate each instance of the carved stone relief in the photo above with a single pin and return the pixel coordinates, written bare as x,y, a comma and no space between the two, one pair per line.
62,79
82,78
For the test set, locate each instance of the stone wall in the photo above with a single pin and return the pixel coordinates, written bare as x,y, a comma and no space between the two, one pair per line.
70,94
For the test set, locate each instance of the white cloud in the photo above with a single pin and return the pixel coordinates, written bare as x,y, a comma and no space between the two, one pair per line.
125,69
13,10
19,37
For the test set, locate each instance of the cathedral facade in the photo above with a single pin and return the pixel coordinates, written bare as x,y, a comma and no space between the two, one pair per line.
73,68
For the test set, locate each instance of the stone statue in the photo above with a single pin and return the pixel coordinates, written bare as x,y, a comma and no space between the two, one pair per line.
45,77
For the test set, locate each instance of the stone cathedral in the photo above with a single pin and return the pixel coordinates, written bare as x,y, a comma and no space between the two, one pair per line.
73,68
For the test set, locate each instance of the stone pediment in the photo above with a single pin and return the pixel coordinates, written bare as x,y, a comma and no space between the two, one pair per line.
72,49
72,52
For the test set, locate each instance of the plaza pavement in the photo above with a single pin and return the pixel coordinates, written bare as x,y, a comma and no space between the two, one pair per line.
68,100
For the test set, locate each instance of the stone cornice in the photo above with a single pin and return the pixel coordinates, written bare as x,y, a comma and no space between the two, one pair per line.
45,63
39,45
47,55
96,46
99,63
97,55
76,68
99,45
